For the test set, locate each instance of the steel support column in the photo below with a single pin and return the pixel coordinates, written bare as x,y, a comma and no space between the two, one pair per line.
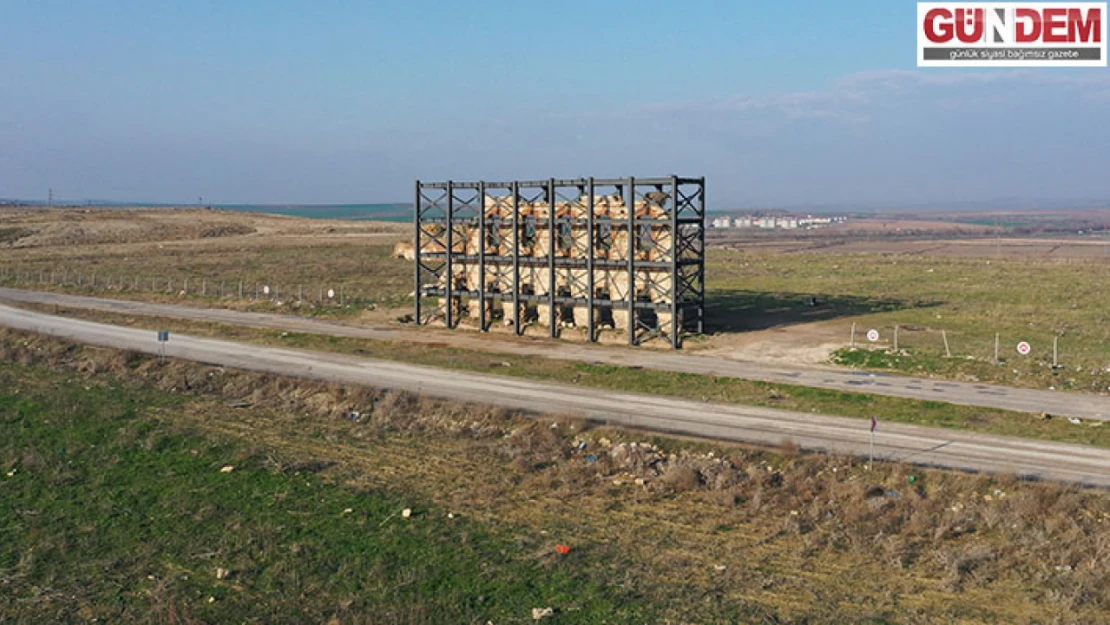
701,257
416,251
448,314
632,261
674,263
482,257
551,313
516,259
591,244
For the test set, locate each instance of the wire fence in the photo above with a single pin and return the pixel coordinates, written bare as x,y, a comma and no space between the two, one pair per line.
321,294
997,347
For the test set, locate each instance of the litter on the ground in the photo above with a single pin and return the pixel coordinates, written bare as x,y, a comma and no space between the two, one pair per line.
227,469
406,513
562,549
1075,420
542,613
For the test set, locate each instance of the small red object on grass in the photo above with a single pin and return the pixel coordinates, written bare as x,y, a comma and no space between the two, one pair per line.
562,549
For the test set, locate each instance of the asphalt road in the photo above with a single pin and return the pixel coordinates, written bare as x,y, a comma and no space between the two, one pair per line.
894,442
1087,406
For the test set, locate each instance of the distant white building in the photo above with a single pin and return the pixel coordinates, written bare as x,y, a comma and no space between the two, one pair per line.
776,222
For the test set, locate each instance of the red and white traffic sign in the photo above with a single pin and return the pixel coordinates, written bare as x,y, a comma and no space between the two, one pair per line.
872,335
1024,348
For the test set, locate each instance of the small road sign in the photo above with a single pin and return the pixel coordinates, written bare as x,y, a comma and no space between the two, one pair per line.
1024,348
163,338
331,293
265,290
872,335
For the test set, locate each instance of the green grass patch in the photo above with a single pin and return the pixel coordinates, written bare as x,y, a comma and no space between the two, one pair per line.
109,512
871,359
969,300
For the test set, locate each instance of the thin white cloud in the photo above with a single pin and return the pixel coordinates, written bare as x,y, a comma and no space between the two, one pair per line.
848,99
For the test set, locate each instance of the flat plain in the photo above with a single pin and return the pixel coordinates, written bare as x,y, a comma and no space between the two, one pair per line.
309,523
790,298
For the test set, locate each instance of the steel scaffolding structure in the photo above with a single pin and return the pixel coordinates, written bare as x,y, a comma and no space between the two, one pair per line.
627,254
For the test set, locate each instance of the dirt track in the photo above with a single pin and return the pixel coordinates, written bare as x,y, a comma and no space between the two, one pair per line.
896,442
983,395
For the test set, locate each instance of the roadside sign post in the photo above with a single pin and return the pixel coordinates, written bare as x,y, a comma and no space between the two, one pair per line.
163,338
1024,348
871,455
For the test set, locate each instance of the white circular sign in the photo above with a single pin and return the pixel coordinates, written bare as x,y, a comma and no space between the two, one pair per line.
1024,348
265,290
331,293
872,335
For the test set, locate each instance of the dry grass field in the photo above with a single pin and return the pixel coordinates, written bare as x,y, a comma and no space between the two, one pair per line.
967,299
759,293
658,530
207,256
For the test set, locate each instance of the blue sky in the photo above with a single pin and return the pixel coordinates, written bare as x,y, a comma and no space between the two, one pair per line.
777,103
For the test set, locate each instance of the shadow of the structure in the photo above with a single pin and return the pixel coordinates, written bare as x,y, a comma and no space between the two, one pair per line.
745,311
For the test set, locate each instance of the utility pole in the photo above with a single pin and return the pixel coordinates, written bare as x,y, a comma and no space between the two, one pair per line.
50,198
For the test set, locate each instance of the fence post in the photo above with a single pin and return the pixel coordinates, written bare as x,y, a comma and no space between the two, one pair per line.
204,287
896,337
1055,361
853,343
185,288
240,289
947,351
996,348
300,292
